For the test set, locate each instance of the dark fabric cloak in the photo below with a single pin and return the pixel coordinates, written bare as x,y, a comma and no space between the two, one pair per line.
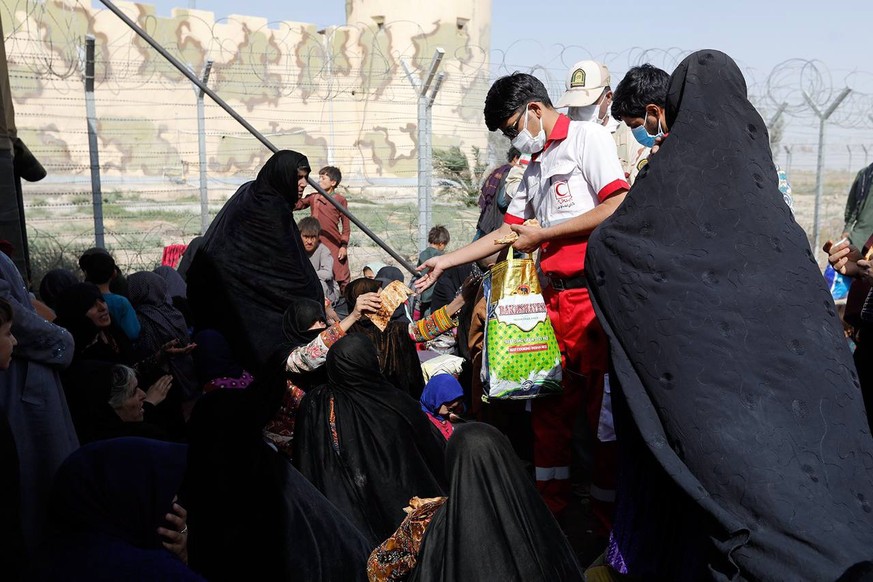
176,286
160,323
728,350
107,502
494,525
251,264
398,355
252,516
213,357
365,444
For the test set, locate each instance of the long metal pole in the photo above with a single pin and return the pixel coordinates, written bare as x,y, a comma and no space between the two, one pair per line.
819,183
423,174
201,145
93,147
327,33
425,150
251,129
428,151
819,171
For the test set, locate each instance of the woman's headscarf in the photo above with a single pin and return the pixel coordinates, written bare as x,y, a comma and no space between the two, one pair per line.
252,265
251,514
122,487
176,286
364,444
159,320
728,349
107,502
71,307
299,317
441,389
494,524
398,357
386,276
374,266
54,283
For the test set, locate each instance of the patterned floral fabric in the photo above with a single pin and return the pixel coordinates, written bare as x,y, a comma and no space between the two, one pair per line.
785,187
431,326
395,559
311,356
280,430
228,383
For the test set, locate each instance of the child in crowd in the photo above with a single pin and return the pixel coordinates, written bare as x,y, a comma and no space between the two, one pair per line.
100,269
370,269
319,256
437,240
335,227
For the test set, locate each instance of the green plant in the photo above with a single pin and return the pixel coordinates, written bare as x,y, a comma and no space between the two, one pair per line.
456,177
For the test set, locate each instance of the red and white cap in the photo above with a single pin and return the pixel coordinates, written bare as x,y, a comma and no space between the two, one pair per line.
585,83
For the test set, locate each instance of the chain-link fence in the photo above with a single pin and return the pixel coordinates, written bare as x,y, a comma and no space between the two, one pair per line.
341,96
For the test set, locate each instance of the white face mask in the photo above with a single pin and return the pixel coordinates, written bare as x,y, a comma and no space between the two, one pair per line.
611,122
586,113
525,142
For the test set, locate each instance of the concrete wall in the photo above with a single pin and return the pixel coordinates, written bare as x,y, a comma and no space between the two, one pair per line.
275,74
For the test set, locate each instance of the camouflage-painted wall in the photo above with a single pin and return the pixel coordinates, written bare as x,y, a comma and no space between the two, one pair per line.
275,74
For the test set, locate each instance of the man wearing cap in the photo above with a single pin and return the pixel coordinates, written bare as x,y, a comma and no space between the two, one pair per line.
573,183
588,97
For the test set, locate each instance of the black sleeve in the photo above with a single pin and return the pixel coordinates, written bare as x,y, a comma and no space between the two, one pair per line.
448,286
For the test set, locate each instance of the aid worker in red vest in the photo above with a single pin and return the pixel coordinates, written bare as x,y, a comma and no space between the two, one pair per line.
573,183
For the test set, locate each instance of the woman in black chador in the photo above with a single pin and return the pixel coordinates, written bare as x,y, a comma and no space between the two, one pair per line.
745,450
251,264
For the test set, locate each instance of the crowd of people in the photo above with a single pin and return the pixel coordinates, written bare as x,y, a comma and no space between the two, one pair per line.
247,416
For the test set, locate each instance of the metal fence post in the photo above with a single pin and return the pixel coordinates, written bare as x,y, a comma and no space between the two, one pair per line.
93,146
425,147
201,146
823,117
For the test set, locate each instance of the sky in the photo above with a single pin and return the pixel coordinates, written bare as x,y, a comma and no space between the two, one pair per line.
759,34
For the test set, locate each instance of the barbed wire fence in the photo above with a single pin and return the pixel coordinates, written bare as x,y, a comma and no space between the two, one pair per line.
341,98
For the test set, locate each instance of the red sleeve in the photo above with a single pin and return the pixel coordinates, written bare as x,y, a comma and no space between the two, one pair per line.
304,202
511,219
612,188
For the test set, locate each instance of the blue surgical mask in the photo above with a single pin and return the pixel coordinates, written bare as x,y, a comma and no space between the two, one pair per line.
642,135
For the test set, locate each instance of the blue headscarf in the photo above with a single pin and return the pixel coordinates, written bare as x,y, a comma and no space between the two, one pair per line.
441,389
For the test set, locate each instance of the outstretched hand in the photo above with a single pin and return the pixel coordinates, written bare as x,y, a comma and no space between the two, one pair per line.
530,237
157,392
436,266
843,257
